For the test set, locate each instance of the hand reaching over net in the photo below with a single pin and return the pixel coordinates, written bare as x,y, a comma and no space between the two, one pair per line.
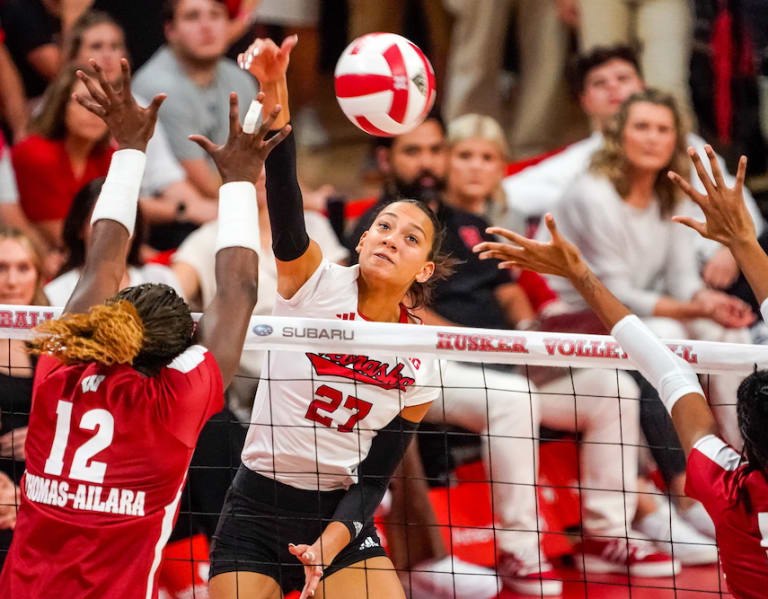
131,125
558,257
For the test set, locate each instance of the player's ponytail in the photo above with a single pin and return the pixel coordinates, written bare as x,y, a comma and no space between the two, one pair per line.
110,333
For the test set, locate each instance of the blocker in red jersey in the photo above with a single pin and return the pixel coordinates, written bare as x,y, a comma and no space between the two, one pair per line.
125,383
384,84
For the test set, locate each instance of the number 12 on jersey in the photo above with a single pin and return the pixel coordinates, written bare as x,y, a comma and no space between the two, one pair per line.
99,420
334,396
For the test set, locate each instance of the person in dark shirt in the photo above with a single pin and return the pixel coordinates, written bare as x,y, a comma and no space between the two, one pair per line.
33,36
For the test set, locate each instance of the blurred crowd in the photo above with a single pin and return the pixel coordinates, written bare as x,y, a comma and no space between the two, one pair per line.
574,107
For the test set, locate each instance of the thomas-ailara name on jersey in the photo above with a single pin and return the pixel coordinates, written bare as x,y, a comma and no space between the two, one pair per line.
86,497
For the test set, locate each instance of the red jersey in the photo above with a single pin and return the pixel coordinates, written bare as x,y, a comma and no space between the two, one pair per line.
107,456
47,185
716,477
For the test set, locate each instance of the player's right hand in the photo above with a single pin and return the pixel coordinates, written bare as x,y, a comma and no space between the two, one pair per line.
558,257
242,157
313,571
131,125
265,60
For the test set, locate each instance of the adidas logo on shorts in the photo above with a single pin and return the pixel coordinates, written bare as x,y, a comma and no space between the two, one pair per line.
368,543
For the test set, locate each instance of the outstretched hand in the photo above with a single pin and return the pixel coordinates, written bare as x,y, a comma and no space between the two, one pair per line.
242,157
131,125
727,219
558,257
267,61
313,571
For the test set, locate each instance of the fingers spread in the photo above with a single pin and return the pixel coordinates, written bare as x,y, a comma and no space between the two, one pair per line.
741,174
277,138
715,166
267,123
157,101
93,89
90,105
701,171
699,227
125,68
205,143
687,188
234,115
105,85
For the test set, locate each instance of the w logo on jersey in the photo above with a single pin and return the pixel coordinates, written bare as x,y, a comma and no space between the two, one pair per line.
346,316
91,383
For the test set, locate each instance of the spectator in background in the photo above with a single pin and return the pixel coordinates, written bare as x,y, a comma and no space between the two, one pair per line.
472,83
477,157
661,29
33,29
192,70
69,147
21,283
603,79
76,232
12,100
618,214
167,196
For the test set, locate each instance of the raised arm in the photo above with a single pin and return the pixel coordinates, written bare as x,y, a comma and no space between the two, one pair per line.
727,219
297,256
114,215
239,160
673,378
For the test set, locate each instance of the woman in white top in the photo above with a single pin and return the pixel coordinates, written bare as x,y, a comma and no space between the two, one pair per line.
619,215
75,234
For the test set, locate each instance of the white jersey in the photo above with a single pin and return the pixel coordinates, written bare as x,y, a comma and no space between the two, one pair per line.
316,414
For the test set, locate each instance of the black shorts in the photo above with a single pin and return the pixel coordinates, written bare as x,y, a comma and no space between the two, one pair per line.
262,516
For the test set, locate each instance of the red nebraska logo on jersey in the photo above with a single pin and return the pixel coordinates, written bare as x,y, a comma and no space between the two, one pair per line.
362,369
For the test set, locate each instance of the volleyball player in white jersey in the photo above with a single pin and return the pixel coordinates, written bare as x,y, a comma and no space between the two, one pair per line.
327,430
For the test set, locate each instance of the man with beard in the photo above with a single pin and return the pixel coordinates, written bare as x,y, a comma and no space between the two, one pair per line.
198,79
414,166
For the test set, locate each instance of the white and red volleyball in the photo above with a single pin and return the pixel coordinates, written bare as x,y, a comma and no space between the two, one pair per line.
384,84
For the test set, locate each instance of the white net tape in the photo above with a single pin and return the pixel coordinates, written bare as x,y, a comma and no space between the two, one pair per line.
454,343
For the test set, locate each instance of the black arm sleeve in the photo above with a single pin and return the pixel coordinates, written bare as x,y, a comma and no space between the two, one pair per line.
284,202
387,450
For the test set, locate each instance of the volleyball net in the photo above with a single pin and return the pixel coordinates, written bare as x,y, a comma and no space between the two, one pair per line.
543,446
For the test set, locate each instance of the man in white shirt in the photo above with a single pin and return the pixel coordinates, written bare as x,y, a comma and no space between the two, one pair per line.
603,79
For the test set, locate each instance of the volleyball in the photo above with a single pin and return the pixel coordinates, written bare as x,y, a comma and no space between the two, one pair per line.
384,84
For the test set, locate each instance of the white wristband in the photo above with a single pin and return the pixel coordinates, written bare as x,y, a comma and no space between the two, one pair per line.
670,375
764,310
119,195
238,217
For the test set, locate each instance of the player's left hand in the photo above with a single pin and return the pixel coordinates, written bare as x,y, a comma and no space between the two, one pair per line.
309,555
727,218
558,257
267,61
131,125
12,444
